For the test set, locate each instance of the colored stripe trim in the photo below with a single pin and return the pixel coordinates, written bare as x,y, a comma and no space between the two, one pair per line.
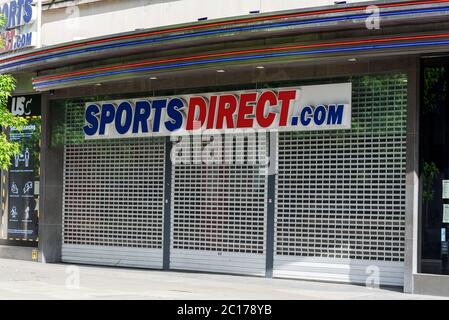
38,83
241,52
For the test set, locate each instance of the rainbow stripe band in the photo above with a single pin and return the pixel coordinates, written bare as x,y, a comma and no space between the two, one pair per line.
48,82
41,55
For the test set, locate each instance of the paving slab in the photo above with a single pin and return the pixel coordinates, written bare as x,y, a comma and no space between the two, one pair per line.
32,280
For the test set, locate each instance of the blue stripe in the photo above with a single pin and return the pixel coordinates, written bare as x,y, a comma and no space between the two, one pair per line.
245,58
215,32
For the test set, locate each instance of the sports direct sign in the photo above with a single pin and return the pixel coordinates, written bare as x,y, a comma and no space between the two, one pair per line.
19,30
319,107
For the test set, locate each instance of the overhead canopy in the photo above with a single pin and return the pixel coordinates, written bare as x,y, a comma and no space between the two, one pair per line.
300,35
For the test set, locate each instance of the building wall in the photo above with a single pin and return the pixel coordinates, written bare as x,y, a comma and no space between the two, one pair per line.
86,19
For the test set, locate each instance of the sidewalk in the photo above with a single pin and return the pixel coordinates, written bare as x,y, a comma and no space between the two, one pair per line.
31,280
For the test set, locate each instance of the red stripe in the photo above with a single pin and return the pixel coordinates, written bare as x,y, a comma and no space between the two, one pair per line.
223,54
222,23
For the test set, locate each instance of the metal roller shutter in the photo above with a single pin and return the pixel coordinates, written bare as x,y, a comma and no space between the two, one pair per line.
219,215
341,195
113,199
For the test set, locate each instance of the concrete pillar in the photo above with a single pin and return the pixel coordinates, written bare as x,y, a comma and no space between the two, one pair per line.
50,204
411,258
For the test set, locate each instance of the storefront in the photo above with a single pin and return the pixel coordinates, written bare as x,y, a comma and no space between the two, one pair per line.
329,203
315,172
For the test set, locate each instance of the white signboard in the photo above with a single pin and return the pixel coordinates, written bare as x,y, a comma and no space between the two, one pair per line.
306,108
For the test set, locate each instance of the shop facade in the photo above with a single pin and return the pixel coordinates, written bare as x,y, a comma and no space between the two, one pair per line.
328,193
238,214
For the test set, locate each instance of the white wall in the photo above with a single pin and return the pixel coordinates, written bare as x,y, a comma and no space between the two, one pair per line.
97,18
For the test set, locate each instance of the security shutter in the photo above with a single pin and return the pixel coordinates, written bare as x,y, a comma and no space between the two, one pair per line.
341,194
113,199
219,212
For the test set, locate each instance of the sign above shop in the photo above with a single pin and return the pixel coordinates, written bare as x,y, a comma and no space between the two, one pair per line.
17,13
307,108
19,31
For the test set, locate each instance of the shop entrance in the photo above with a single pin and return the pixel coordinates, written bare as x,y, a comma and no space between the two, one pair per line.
113,198
219,197
341,194
339,205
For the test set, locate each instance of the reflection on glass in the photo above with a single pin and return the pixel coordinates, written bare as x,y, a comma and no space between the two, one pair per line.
434,167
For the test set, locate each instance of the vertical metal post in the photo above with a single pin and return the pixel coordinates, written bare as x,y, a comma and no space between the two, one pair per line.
271,199
167,205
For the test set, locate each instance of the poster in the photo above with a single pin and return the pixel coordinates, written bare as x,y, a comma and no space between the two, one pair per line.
446,213
445,189
23,177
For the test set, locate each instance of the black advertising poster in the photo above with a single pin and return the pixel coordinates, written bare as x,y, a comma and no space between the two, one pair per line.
23,179
26,105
